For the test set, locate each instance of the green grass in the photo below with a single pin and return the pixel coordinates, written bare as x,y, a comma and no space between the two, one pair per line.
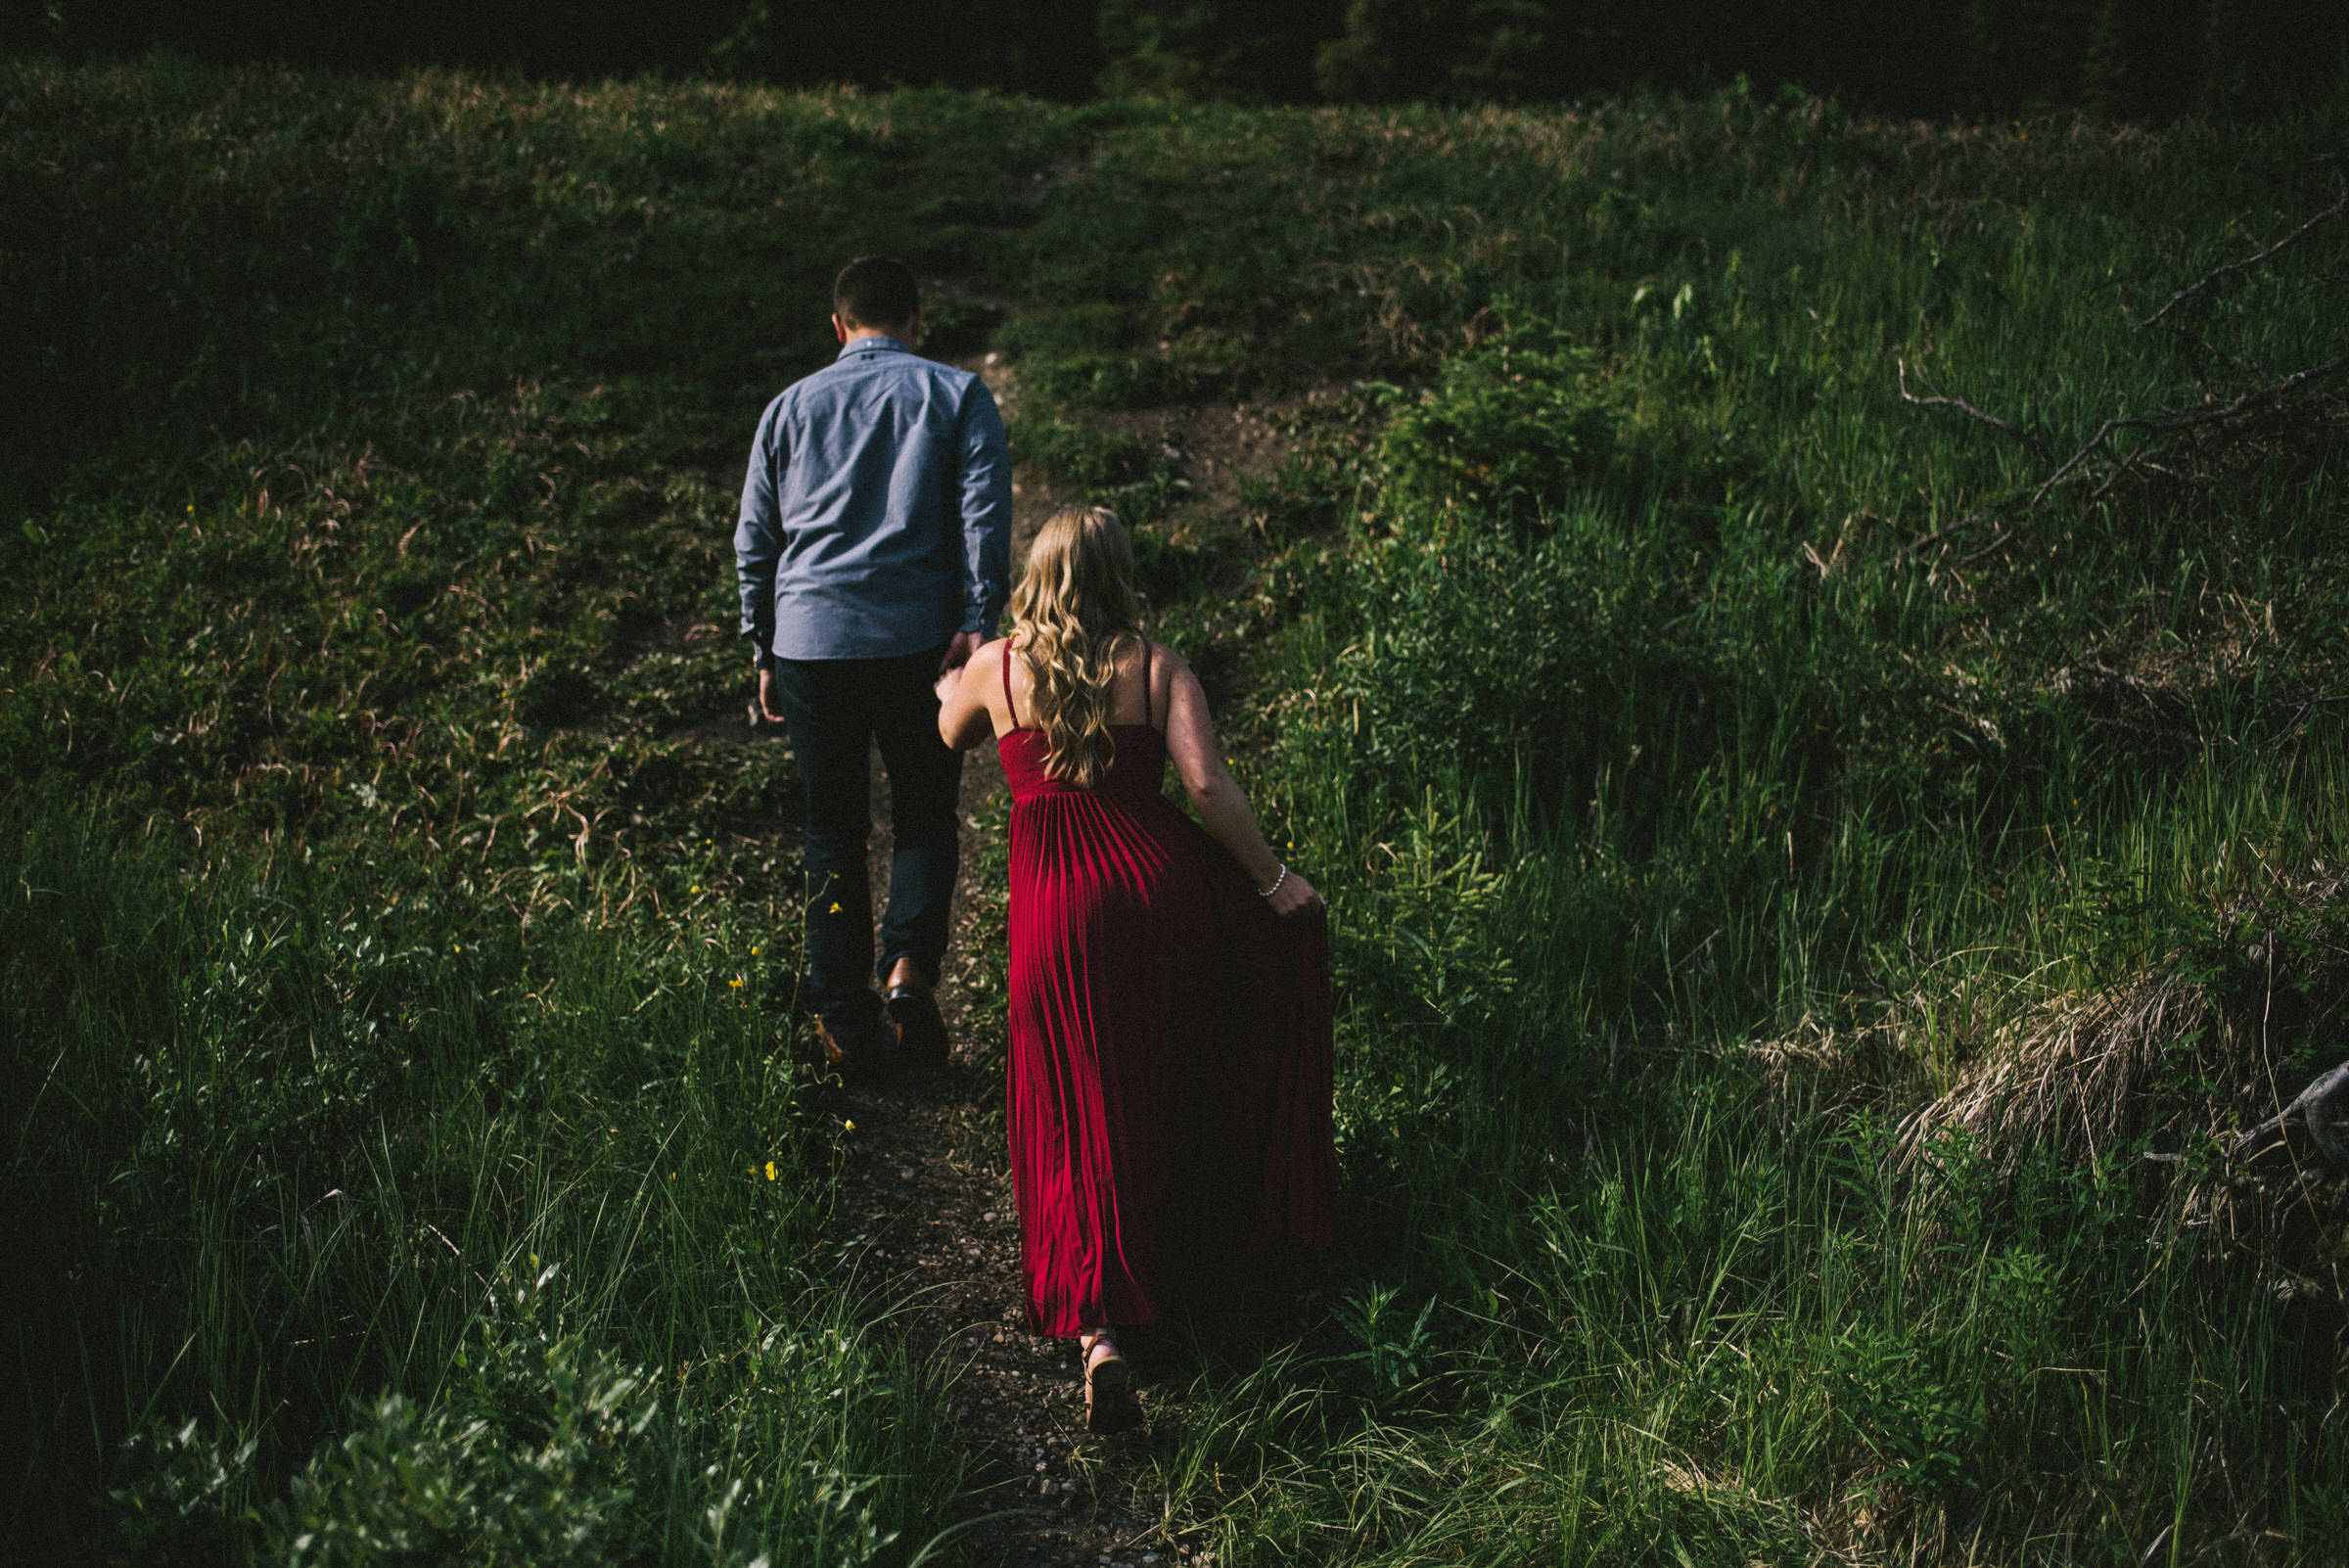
1717,766
537,1218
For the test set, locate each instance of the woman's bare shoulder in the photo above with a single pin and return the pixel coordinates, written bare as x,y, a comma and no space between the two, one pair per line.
986,667
1172,684
1166,662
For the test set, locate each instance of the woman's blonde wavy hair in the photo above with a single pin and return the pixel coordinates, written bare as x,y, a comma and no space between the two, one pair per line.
1074,611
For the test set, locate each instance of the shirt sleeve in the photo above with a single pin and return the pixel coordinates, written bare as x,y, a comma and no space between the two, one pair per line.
986,461
759,535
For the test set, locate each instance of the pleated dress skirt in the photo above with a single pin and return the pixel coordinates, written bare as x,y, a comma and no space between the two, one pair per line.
1169,1073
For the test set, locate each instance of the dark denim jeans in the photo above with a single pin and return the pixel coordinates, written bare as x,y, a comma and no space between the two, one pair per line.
834,710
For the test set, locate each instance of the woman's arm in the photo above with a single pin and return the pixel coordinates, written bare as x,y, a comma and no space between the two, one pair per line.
963,719
1217,797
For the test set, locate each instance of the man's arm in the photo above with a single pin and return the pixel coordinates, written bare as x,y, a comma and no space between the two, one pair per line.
986,498
759,542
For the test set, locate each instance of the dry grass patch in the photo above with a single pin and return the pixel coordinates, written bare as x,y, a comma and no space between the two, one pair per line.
2076,1071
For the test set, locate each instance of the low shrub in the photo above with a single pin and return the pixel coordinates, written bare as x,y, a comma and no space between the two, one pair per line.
1514,431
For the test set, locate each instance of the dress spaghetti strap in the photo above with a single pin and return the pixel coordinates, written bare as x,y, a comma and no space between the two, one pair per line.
1167,1046
1009,707
1147,717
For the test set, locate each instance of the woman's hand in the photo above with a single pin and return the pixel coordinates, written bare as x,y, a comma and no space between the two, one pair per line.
1294,897
963,720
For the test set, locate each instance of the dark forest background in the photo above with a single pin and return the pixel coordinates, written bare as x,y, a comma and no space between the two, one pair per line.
2148,59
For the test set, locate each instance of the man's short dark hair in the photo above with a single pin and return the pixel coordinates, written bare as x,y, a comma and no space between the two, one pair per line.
876,291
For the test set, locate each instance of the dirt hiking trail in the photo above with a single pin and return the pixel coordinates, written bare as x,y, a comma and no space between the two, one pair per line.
925,1201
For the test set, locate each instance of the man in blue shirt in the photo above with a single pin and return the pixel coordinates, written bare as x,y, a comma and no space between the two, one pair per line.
873,554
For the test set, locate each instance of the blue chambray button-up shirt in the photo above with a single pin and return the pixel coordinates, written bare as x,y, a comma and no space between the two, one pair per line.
876,516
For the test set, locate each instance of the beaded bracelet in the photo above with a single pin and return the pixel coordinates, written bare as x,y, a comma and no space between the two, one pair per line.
1267,893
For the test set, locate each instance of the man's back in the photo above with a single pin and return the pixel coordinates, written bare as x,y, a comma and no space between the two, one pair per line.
876,513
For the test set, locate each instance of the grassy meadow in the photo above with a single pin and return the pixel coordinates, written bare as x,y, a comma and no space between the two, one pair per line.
1814,901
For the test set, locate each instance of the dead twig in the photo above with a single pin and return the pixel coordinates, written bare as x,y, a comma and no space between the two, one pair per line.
1965,560
1958,525
1934,399
2195,288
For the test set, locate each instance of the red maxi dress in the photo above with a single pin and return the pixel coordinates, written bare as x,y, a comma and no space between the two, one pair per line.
1169,1084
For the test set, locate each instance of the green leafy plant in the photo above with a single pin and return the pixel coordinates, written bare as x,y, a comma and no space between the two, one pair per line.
1393,1358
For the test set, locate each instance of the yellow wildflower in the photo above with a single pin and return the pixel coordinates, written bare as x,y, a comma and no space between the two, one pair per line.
771,1170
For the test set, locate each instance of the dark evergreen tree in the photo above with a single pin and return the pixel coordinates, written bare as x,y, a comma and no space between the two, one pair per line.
2138,58
2260,56
1254,53
2026,54
1043,47
1418,49
2145,58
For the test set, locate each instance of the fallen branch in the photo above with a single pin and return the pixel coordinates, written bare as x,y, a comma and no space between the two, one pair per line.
2170,422
1965,560
1944,400
2156,425
2310,1108
2195,288
1919,547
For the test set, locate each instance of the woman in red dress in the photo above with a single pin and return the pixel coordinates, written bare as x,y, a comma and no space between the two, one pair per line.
1170,1073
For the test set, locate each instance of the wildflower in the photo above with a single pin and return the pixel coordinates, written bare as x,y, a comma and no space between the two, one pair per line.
696,886
771,1170
848,1126
672,1175
753,952
736,983
835,909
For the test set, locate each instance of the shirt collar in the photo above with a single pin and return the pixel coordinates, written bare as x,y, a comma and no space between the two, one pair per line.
878,343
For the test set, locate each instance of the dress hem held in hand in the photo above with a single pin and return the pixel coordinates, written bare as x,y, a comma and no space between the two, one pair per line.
1169,1074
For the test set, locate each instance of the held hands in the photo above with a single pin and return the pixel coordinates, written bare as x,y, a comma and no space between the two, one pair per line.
950,667
959,651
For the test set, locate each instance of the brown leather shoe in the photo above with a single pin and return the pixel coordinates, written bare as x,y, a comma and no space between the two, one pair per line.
911,1002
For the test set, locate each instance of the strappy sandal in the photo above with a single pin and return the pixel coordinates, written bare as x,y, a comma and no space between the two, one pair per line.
1109,1401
